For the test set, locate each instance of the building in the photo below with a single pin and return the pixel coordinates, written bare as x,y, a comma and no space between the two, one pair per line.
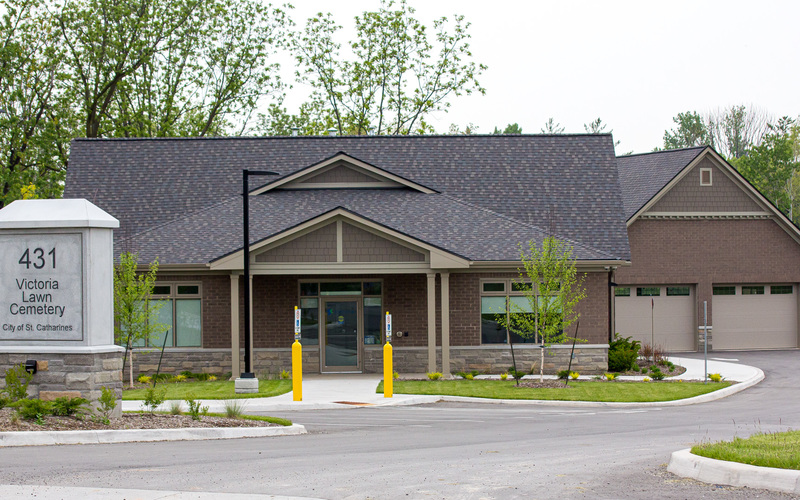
426,227
701,234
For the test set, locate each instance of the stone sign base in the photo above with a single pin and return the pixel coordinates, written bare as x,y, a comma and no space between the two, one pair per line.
77,373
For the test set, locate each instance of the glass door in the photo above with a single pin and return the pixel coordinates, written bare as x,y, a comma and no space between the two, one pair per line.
340,347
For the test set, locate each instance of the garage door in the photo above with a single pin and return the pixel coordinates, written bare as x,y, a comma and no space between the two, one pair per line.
663,315
754,316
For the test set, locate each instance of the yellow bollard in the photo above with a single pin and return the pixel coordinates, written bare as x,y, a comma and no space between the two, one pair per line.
297,371
388,373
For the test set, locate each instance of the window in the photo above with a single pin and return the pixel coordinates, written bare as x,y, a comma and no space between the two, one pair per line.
724,290
752,290
780,289
495,301
705,176
181,311
622,291
648,291
678,291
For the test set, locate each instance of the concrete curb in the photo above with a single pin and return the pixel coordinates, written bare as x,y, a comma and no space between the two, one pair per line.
44,438
683,463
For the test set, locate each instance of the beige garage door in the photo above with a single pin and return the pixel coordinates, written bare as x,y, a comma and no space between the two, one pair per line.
754,316
661,314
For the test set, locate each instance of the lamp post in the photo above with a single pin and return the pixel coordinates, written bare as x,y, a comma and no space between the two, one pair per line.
248,353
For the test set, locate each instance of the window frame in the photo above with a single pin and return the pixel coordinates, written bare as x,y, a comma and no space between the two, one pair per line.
710,172
173,296
508,293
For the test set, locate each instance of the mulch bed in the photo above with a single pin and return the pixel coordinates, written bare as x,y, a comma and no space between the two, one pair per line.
9,422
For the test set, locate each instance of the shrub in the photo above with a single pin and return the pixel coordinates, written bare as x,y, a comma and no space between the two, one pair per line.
574,375
188,374
715,377
33,409
395,376
202,377
504,376
153,397
434,375
179,378
562,374
646,352
517,374
17,380
212,378
175,408
284,374
144,379
106,404
4,401
610,376
65,407
635,367
622,353
469,376
647,379
195,410
657,374
162,377
234,408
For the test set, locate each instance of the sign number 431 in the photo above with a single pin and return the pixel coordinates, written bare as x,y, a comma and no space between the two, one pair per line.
38,258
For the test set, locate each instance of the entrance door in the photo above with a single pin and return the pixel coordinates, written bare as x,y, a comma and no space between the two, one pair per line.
341,335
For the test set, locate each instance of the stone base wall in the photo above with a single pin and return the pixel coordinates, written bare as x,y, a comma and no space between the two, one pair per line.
588,360
70,375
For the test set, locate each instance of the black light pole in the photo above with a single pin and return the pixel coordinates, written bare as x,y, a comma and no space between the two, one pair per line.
248,354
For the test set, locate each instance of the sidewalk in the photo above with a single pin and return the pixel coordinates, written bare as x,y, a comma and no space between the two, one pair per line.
339,391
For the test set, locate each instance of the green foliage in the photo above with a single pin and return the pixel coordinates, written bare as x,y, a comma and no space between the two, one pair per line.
610,376
396,75
17,380
154,397
66,407
622,353
434,375
715,377
517,374
552,287
285,374
175,408
511,129
574,375
395,375
692,130
504,376
656,373
773,449
144,379
107,403
195,408
635,367
562,374
33,409
551,127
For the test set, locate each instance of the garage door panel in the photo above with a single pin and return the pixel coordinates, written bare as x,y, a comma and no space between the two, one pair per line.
672,319
767,321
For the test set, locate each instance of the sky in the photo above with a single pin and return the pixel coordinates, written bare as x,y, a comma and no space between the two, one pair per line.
634,64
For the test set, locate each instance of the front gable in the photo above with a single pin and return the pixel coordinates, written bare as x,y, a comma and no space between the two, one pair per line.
342,171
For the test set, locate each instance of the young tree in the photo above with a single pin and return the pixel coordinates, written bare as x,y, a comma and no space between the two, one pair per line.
135,313
511,128
552,287
551,127
736,129
397,75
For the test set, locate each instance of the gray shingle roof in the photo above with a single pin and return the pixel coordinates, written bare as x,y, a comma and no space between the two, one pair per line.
642,176
566,184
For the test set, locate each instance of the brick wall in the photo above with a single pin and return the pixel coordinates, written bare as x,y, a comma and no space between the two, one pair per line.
706,252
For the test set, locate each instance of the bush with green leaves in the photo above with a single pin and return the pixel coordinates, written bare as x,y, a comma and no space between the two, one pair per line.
656,374
622,353
517,374
67,407
106,404
153,397
562,374
434,375
17,380
195,410
33,409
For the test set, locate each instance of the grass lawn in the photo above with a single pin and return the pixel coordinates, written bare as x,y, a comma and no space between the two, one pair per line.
777,449
218,389
623,392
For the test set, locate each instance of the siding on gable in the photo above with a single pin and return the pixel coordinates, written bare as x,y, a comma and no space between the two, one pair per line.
317,246
340,173
362,246
722,196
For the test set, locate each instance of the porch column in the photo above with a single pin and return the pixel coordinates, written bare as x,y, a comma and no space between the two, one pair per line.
445,323
431,322
235,364
252,333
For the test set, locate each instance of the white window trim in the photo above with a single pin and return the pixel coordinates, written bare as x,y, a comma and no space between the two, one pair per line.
710,176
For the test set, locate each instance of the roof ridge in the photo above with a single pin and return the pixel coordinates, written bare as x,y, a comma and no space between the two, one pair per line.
676,150
326,137
533,226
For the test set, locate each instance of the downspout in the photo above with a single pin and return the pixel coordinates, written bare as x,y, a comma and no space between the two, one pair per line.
611,309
